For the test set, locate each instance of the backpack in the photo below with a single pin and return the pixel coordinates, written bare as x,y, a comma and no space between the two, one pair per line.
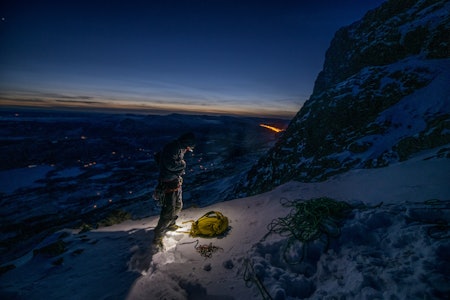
211,224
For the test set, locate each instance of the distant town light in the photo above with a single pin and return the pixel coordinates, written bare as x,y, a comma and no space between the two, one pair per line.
271,127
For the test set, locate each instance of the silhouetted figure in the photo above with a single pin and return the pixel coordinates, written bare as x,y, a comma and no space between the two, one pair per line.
169,190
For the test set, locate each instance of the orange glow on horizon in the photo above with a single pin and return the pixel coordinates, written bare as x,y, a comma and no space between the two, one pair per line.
271,127
143,107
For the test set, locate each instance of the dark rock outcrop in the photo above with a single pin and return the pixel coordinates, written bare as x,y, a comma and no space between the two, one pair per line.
382,95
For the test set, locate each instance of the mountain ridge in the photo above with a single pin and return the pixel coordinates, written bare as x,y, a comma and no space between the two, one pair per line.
371,103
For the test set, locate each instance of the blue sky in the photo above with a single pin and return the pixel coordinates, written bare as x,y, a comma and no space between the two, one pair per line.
210,56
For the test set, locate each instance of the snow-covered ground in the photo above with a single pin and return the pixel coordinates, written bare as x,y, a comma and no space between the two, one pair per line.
399,250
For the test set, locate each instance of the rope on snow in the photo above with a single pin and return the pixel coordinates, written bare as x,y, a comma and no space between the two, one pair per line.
308,220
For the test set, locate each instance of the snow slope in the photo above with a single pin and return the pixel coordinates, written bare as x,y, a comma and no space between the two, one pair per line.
394,251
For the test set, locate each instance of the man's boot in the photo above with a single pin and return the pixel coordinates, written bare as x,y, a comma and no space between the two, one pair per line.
173,227
157,245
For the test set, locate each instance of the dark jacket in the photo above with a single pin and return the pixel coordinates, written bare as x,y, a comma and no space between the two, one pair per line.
172,162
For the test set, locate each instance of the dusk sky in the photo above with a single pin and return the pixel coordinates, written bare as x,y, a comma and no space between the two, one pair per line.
256,58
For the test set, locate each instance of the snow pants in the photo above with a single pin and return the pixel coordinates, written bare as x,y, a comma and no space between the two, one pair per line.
172,205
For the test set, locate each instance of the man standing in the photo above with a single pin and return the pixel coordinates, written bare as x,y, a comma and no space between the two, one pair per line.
172,168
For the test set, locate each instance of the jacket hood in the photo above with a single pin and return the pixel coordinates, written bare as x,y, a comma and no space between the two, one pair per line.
187,140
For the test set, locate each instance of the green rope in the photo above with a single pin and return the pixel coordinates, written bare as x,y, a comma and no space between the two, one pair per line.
434,202
308,220
251,278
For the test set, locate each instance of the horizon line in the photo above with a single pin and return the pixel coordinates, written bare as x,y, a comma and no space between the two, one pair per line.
145,111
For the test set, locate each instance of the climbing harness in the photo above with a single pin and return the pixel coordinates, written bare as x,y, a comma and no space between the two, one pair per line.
165,187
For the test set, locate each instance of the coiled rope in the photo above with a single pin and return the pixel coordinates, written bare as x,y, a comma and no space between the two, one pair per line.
307,221
207,250
204,250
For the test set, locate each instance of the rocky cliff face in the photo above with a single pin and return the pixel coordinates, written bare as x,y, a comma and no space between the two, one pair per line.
383,95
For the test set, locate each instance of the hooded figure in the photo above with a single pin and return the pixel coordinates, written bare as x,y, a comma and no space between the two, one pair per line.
172,167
